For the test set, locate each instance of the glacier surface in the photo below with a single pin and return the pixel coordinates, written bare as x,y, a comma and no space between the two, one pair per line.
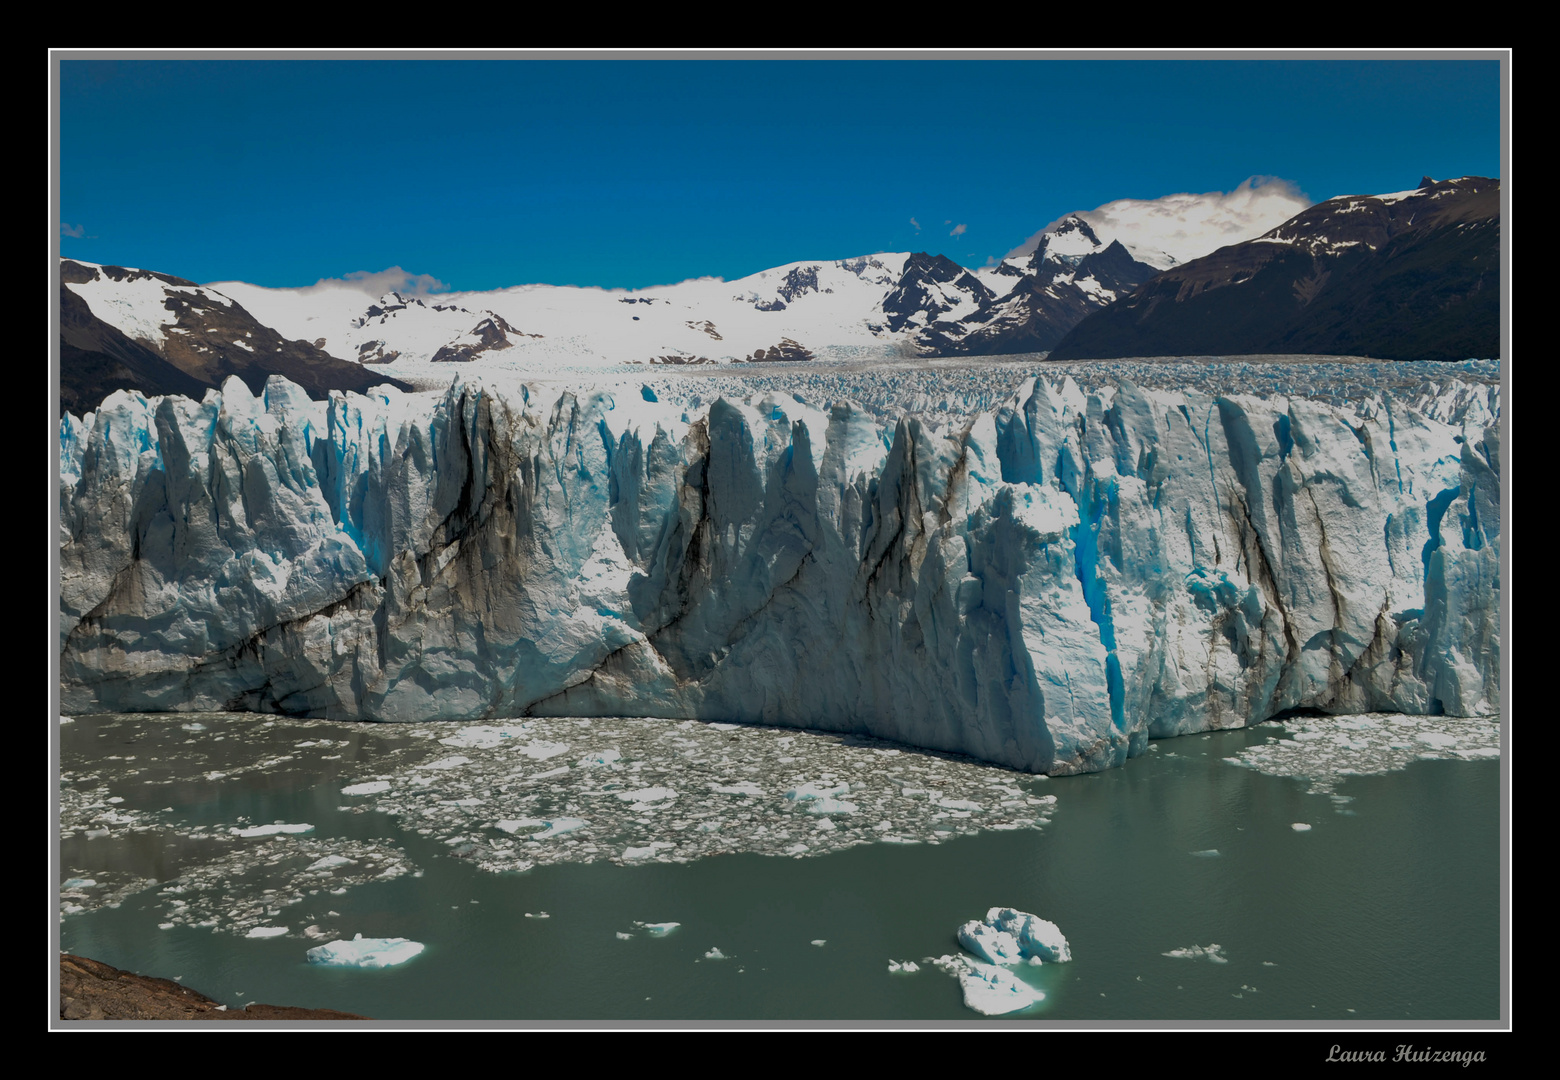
1046,585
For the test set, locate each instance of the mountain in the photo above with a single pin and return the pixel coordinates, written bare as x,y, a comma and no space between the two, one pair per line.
123,329
1411,275
901,304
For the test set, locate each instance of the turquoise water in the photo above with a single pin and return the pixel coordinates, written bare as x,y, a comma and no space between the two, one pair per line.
1386,909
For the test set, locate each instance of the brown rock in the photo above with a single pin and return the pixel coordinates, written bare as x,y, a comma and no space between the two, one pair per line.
90,990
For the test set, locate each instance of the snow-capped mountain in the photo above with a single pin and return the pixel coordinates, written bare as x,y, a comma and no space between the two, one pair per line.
139,329
899,305
904,304
1412,275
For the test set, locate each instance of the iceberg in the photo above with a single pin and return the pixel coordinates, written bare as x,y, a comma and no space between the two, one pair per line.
1047,585
994,991
362,952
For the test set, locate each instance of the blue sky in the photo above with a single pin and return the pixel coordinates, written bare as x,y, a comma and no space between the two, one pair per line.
635,172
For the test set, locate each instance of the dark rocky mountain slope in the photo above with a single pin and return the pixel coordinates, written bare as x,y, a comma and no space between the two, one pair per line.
1407,276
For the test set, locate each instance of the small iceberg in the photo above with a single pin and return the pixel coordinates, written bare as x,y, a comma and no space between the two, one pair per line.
658,929
369,787
1199,952
266,931
1007,936
272,830
995,991
362,952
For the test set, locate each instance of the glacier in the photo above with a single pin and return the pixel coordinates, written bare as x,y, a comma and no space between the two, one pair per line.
1046,585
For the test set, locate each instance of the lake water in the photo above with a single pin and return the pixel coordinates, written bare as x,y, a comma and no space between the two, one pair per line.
1387,908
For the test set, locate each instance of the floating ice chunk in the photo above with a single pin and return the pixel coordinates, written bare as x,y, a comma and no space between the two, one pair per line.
369,787
448,763
541,750
958,804
831,806
743,787
330,862
1199,952
814,792
78,883
990,944
624,937
906,967
559,826
1210,853
647,852
658,929
1037,938
648,795
725,727
825,825
994,991
193,727
266,931
1300,826
820,942
1436,738
715,954
600,758
513,825
362,952
479,738
272,830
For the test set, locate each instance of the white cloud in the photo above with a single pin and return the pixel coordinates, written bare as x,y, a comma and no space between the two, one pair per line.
958,230
916,223
377,283
72,230
1186,226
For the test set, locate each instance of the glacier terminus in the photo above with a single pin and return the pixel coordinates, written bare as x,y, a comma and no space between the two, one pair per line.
1047,585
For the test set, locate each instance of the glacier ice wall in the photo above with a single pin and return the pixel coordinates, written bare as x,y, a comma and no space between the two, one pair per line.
1046,586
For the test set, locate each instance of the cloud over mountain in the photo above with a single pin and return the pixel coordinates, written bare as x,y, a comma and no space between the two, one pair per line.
1188,226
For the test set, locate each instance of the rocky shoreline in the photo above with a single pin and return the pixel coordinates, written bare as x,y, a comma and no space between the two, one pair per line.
90,990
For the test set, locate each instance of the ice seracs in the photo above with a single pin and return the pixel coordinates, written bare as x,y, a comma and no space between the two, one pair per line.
1046,586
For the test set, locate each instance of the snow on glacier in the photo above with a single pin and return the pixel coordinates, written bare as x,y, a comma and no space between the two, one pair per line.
1045,585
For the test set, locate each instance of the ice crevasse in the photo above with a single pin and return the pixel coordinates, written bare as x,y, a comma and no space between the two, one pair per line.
1046,586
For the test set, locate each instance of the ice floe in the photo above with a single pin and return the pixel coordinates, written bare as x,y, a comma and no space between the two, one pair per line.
1005,938
362,952
1213,953
1326,749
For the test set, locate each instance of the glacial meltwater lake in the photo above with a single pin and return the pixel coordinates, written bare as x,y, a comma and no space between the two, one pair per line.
528,858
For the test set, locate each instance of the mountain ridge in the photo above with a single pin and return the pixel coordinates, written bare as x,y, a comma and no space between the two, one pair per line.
1409,275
